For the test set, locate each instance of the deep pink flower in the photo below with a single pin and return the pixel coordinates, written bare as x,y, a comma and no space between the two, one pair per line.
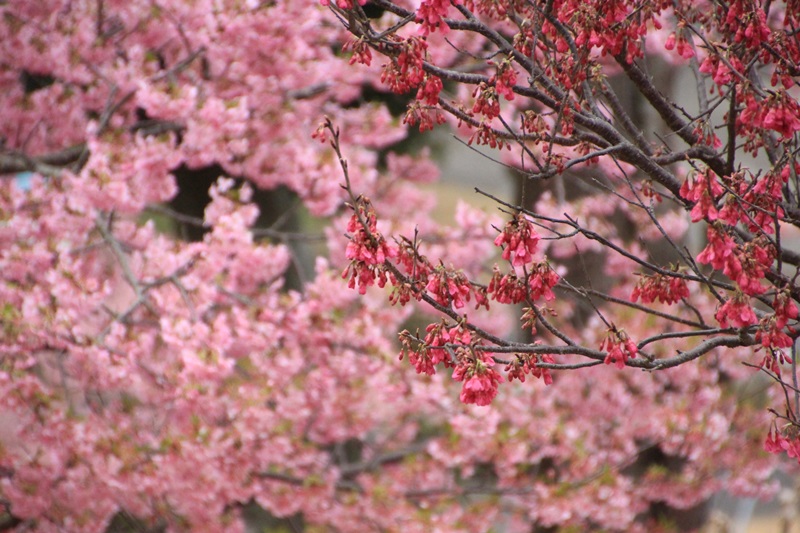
481,381
618,347
738,311
429,91
704,190
541,279
520,240
431,15
367,250
783,117
506,288
449,288
658,287
779,442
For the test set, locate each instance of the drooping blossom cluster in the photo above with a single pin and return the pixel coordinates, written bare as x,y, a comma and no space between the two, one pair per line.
773,329
511,289
367,250
406,71
431,15
703,190
480,380
507,288
658,287
541,280
679,41
737,311
522,365
786,441
504,80
440,341
745,264
754,205
519,241
619,347
449,288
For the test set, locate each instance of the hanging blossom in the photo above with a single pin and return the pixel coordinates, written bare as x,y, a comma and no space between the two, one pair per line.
434,348
658,287
429,90
678,40
779,113
506,288
771,335
773,328
367,249
541,279
511,289
524,364
485,135
704,190
449,287
361,51
426,116
773,360
481,381
784,441
504,79
486,101
783,115
719,71
746,265
520,239
431,14
755,258
618,347
406,71
757,204
747,23
738,311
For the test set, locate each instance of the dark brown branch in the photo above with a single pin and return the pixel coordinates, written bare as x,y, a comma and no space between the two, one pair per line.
664,108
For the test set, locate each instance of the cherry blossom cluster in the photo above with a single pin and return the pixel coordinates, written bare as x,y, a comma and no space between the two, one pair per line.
703,191
538,282
522,365
619,347
787,441
440,341
431,15
774,328
745,264
755,203
449,288
661,288
678,41
480,380
519,241
425,116
367,250
505,79
406,71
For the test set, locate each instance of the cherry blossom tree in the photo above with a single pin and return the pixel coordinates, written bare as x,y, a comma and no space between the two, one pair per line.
538,79
150,383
